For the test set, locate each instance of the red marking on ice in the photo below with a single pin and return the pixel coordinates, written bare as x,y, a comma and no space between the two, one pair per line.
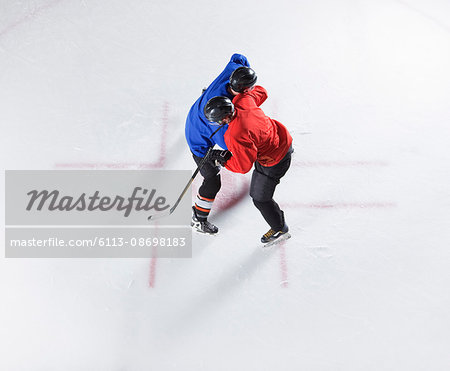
109,165
159,163
340,163
283,265
234,189
28,17
151,281
342,205
165,124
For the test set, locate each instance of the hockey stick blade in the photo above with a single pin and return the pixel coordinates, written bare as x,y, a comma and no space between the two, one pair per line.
161,214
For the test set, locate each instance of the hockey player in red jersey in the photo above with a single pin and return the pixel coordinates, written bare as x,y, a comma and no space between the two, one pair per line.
252,138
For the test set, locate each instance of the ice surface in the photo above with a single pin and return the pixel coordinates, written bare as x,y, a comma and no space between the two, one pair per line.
364,88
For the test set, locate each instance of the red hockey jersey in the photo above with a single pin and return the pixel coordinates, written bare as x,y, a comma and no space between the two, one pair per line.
253,136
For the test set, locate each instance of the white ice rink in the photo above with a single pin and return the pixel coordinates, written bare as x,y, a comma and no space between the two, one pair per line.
364,88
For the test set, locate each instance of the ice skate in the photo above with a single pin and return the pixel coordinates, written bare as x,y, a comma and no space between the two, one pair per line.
271,236
202,226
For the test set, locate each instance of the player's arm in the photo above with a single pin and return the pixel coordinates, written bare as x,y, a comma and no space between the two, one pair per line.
258,94
251,99
240,59
244,155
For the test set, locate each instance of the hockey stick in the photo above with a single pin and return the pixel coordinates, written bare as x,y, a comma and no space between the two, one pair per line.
172,209
200,165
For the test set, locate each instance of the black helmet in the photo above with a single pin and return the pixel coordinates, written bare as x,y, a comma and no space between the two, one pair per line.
242,78
218,108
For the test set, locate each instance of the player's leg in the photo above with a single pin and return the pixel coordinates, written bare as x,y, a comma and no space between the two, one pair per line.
205,197
262,188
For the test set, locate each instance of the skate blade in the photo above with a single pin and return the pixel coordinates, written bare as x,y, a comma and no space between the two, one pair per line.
282,238
205,233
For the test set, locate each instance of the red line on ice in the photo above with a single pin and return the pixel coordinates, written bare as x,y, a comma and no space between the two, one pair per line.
165,124
159,163
361,163
151,281
108,165
342,205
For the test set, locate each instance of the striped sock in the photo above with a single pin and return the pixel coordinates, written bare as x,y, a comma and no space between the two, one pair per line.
203,207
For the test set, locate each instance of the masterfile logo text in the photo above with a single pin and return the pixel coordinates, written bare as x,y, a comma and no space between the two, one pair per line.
94,197
53,200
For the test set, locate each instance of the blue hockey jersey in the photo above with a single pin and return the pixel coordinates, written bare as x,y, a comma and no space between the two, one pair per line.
198,128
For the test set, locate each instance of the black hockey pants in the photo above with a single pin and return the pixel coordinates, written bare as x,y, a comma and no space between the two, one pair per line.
211,178
262,188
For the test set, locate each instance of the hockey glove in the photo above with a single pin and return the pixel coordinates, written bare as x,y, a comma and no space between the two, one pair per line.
219,157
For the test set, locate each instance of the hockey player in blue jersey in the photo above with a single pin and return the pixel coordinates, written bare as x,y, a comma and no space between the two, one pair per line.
198,133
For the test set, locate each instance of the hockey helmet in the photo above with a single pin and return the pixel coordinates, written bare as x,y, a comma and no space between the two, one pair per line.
242,78
218,109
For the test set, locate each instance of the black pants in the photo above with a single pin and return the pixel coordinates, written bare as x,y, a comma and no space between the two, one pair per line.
211,179
262,187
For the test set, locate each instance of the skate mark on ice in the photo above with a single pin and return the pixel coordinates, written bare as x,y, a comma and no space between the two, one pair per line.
283,265
436,21
323,252
29,17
